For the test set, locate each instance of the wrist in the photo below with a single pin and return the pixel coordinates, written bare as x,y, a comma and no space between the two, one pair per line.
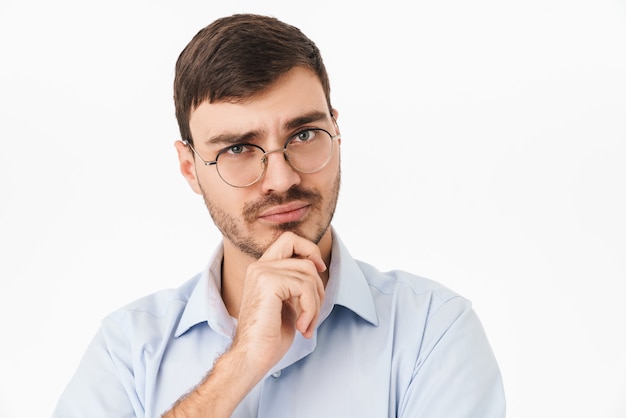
222,389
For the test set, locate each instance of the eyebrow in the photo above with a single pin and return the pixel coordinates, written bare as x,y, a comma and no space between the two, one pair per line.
235,138
313,116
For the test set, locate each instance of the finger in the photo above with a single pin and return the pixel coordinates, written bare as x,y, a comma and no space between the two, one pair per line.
308,311
302,292
290,245
302,269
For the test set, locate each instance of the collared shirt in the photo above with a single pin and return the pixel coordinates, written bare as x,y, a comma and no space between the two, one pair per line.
387,345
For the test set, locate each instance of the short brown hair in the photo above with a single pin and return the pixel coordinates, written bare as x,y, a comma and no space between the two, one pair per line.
238,56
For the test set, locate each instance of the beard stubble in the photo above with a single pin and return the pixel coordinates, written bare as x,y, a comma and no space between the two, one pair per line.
234,228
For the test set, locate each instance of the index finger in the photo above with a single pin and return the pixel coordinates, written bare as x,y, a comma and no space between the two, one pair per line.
290,245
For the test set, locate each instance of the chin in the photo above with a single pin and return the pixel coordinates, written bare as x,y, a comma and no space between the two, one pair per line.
298,228
291,226
314,235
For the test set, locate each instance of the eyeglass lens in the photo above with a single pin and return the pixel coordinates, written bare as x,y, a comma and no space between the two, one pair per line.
307,151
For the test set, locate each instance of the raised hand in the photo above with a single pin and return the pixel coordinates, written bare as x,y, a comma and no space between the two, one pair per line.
283,292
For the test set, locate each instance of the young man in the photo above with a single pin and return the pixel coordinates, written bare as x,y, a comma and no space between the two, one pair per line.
284,322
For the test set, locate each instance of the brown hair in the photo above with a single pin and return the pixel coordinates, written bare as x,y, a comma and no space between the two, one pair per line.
235,58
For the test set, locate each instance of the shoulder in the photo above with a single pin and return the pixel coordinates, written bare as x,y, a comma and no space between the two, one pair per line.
423,313
399,281
403,297
153,312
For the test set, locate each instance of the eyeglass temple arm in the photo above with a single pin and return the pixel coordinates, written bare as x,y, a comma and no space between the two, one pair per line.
188,143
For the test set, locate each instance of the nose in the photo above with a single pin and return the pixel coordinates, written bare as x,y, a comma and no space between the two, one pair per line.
279,175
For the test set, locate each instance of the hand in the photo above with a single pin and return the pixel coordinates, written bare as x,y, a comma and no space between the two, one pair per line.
283,292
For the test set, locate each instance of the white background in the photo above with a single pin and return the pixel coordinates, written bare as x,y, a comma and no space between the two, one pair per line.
483,147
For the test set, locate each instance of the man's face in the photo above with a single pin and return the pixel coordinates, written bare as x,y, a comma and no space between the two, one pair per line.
251,218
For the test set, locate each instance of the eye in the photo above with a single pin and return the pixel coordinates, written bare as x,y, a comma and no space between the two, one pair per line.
237,149
304,136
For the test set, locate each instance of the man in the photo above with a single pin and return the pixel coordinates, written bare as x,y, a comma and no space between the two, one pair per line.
283,322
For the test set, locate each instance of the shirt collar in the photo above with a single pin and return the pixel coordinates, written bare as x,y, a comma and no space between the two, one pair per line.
205,303
347,286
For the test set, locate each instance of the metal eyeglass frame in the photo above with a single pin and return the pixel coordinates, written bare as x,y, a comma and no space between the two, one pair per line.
332,137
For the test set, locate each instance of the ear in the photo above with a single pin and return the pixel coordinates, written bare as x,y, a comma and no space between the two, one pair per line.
335,114
187,165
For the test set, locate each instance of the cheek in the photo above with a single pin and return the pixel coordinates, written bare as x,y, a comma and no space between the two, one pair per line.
327,184
228,199
334,170
215,190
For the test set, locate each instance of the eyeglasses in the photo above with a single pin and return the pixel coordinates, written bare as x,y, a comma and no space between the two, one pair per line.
241,165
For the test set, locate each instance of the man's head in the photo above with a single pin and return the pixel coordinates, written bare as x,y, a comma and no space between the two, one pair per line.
248,87
236,57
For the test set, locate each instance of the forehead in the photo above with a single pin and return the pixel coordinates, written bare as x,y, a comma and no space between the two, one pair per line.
297,93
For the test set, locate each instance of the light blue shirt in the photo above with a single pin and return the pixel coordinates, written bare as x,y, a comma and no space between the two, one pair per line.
387,345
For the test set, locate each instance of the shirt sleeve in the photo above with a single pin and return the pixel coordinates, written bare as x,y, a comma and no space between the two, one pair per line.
98,387
456,374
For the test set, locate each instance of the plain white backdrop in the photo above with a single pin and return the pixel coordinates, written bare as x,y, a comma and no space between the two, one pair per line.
484,146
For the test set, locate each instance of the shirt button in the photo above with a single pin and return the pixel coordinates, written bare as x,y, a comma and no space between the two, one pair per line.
276,375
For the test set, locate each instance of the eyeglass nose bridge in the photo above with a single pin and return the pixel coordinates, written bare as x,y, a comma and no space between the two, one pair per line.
283,150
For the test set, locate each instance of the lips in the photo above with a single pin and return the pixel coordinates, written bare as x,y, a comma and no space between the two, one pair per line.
291,212
278,208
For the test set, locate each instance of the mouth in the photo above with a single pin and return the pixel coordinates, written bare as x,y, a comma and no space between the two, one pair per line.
292,212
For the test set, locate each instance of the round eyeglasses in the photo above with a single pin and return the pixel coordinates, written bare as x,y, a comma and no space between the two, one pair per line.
243,164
